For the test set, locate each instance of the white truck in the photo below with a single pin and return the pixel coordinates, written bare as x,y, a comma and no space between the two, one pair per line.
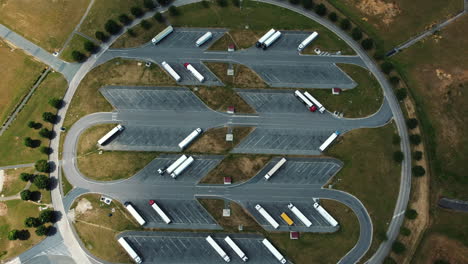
218,248
305,101
110,134
271,40
171,71
194,72
134,213
207,36
329,140
315,102
267,216
325,215
162,35
299,215
184,143
307,41
265,37
274,251
160,212
129,250
275,169
236,249
182,167
176,164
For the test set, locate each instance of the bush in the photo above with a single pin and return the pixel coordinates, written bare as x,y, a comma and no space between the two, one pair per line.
417,155
236,3
42,230
45,133
418,171
26,176
401,94
356,34
112,27
26,195
42,181
56,102
415,139
28,142
45,150
78,56
148,4
32,222
294,2
164,2
42,166
124,19
159,17
411,214
146,24
307,4
398,247
13,234
367,44
387,67
136,11
224,3
101,36
405,231
333,17
412,123
174,11
398,156
396,139
47,216
345,24
321,10
394,80
205,3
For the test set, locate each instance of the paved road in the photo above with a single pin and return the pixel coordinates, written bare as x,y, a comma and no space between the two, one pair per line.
17,166
453,204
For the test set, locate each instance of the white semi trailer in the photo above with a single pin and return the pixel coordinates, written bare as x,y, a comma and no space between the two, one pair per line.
162,35
299,215
315,102
275,169
307,41
134,213
271,40
236,249
176,164
267,216
194,72
129,250
182,167
109,134
305,101
329,140
325,214
160,212
274,251
171,71
265,37
184,143
218,248
207,36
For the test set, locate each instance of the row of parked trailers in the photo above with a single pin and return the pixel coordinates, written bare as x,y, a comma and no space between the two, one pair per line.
161,35
131,209
272,35
188,66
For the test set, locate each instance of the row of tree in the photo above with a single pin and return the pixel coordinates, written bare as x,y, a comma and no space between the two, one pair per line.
46,216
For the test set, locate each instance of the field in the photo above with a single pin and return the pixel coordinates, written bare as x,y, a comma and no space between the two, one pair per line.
214,140
12,184
140,36
243,76
76,43
46,23
66,185
12,149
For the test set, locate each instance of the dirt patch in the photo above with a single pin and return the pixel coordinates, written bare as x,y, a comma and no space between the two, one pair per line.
3,209
439,247
83,206
214,140
380,8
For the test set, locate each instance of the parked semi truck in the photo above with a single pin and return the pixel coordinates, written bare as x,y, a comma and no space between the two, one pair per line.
182,167
299,215
271,40
275,168
265,37
194,72
203,39
160,212
325,214
273,251
267,216
218,248
129,250
184,143
171,71
161,35
176,164
307,41
287,219
110,134
305,101
329,140
315,102
134,213
236,249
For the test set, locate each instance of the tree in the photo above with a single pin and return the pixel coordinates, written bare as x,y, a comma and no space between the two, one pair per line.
345,24
26,176
174,11
367,44
145,24
112,27
389,260
49,117
417,155
418,171
398,156
294,2
236,3
321,9
398,247
90,47
148,4
405,231
28,142
26,195
42,181
42,230
415,139
42,166
32,222
13,234
205,3
101,36
56,102
356,33
131,32
396,139
164,2
45,150
411,214
379,54
47,216
412,123
45,133
441,261
124,19
78,56
158,17
31,124
136,11
394,80
387,67
333,17
382,235
307,4
401,94
222,3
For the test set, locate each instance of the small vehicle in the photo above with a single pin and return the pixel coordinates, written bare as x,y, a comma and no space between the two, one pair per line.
148,64
55,54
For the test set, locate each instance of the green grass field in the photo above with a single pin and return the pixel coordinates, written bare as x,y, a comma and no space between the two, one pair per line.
12,184
76,43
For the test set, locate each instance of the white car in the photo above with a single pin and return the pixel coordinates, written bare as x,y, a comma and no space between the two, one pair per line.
55,54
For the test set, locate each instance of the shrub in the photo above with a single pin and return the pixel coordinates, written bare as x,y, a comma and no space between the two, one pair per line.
367,44
356,34
174,11
417,155
307,4
78,56
47,216
101,36
387,67
396,139
26,176
398,156
45,133
418,171
345,24
333,17
112,27
13,234
56,102
25,195
42,181
42,166
411,214
321,9
398,247
405,231
124,19
136,11
42,230
158,17
222,3
236,3
294,2
45,150
205,3
415,139
146,24
394,80
412,123
148,4
401,94
32,222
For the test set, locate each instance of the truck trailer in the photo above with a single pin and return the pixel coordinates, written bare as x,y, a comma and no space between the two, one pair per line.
176,164
267,216
271,40
305,101
194,72
274,251
161,35
329,140
325,214
171,71
307,41
129,250
315,102
207,36
160,212
299,215
134,213
275,168
265,37
287,219
182,167
184,143
110,134
218,248
236,249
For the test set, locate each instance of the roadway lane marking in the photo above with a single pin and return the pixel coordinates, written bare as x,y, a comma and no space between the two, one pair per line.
397,215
